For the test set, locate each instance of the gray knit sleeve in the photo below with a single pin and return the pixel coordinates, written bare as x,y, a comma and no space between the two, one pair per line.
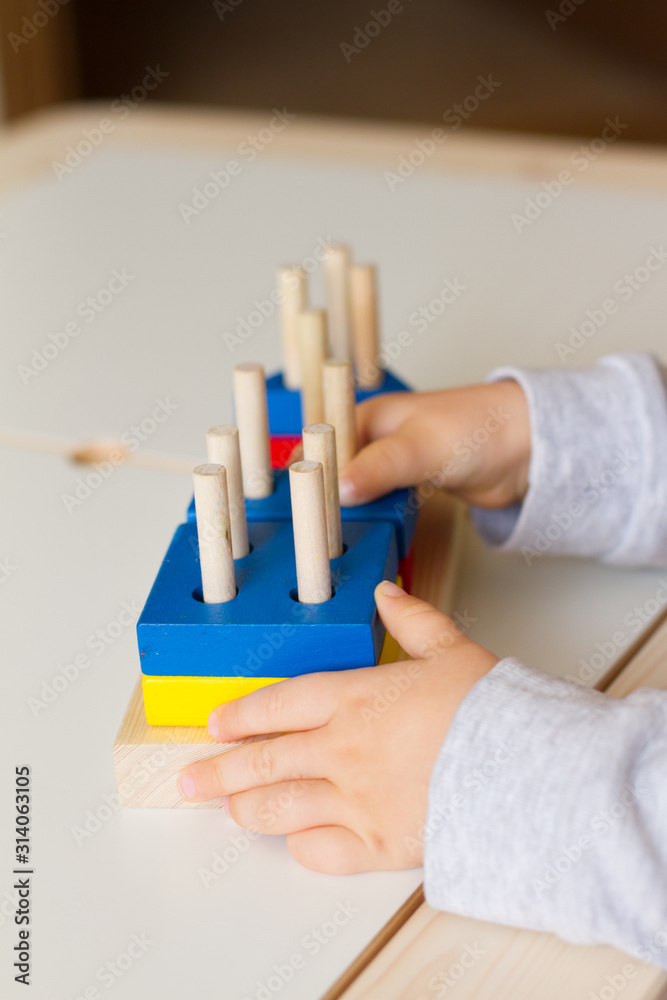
598,469
548,810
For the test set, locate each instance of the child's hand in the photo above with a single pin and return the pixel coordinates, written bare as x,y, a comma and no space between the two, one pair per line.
473,441
348,783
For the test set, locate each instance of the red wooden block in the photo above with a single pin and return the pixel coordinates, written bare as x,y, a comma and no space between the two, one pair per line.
405,570
281,450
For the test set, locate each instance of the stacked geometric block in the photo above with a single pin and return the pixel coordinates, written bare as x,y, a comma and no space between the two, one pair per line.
196,655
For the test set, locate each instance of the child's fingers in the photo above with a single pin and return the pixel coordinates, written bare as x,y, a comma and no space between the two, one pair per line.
386,464
382,415
333,850
304,702
287,807
418,627
264,762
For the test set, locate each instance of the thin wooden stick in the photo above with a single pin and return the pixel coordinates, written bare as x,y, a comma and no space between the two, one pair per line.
319,445
253,424
215,545
293,291
312,352
339,407
363,306
222,445
313,574
336,273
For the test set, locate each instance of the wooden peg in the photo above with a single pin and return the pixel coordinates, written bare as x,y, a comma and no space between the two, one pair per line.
312,352
336,274
319,445
339,407
214,534
293,292
253,424
311,547
363,306
222,445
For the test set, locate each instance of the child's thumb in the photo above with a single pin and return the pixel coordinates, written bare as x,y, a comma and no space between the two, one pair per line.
384,465
419,628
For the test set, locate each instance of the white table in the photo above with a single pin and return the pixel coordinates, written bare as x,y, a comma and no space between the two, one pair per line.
161,337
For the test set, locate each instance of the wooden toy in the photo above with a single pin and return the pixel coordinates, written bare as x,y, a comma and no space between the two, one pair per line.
148,758
264,631
319,445
282,448
293,295
181,635
222,445
363,305
250,405
312,329
284,405
339,407
400,508
334,393
336,274
190,700
352,321
218,583
266,580
311,543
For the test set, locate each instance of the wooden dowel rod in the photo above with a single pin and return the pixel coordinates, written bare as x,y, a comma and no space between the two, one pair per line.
312,352
222,445
319,445
253,424
309,520
336,274
214,534
363,307
293,293
339,407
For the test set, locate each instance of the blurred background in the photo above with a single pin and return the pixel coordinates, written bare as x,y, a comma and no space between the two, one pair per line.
564,65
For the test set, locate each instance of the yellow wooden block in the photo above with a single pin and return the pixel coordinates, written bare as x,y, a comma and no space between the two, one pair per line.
188,701
391,651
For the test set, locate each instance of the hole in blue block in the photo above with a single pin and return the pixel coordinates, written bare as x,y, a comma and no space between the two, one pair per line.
199,596
294,594
342,553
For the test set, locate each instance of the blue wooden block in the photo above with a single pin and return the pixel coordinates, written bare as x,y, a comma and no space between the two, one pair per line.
400,508
264,631
285,404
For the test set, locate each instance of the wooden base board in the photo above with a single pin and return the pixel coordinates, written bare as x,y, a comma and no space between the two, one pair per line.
148,759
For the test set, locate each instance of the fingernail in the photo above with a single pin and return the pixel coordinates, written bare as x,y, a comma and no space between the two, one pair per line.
213,726
347,492
187,786
389,589
225,800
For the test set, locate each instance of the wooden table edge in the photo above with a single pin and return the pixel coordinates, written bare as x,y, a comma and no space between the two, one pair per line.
31,145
